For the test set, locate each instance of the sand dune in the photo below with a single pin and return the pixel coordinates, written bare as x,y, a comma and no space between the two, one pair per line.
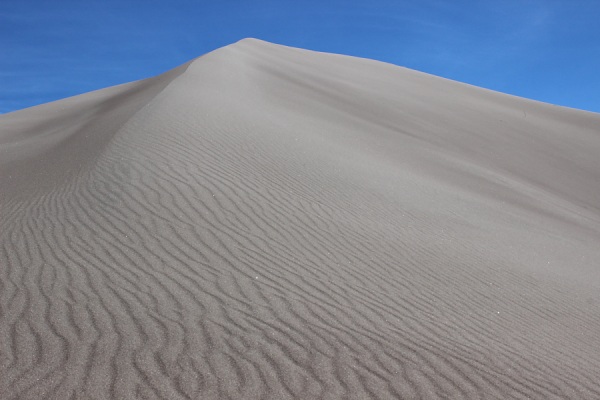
274,223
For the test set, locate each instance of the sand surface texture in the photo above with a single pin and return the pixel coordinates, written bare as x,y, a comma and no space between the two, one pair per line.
273,223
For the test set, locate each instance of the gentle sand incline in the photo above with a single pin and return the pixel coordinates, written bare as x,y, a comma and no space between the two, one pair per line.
274,223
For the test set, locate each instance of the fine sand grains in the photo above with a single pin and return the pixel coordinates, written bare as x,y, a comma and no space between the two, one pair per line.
273,223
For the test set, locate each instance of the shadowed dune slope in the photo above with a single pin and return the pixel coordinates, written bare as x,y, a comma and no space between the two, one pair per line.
273,223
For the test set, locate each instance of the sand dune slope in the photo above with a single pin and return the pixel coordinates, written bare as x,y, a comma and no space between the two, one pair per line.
274,223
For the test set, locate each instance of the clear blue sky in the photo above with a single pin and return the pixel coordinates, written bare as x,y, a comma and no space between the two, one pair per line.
547,50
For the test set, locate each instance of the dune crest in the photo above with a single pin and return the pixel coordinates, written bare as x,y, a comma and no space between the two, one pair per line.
267,222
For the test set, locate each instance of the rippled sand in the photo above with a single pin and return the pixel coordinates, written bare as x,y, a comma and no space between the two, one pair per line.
273,223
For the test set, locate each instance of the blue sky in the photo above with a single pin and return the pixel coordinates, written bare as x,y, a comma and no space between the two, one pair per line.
547,50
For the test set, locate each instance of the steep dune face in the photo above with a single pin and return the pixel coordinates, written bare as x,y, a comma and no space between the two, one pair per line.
268,222
45,145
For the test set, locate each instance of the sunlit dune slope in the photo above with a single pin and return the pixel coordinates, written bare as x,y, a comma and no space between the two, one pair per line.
267,222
